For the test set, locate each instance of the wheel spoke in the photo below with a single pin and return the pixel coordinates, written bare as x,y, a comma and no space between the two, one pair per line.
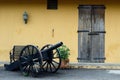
24,63
47,67
23,58
53,65
55,57
24,68
28,50
54,52
29,68
24,53
55,62
32,51
50,67
44,64
32,69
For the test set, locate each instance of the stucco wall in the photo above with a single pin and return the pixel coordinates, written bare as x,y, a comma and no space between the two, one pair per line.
38,30
64,21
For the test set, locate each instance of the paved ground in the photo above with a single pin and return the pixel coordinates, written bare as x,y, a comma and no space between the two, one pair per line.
68,74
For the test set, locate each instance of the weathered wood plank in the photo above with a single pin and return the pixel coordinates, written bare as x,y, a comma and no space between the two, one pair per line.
84,28
16,51
98,26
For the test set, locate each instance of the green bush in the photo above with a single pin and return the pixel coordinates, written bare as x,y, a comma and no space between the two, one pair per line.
64,52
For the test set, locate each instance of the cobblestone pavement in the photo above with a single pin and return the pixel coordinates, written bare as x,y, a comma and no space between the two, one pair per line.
66,74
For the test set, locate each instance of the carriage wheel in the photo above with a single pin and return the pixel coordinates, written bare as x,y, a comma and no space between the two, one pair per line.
30,60
53,63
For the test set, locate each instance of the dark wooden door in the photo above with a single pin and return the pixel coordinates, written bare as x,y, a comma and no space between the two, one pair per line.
91,33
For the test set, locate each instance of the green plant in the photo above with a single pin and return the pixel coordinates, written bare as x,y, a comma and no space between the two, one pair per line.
64,52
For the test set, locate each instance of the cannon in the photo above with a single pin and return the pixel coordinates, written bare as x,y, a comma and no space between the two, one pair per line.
30,59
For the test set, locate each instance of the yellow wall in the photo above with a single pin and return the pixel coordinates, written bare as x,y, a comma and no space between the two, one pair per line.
64,21
38,30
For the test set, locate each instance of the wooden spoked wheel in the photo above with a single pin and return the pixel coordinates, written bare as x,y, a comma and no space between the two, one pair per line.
52,61
30,60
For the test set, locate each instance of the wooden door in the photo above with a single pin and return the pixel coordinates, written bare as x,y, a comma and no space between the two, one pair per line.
91,33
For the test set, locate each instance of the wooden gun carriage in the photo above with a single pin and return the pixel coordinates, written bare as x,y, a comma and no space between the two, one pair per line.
31,60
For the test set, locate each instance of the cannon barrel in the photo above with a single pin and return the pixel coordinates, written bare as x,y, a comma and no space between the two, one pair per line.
52,47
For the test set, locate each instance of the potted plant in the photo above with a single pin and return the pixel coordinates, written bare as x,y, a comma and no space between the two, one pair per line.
64,54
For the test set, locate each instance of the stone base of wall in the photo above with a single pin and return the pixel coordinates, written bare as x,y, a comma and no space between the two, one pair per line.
94,65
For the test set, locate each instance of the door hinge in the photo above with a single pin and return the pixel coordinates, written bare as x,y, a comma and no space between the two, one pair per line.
83,31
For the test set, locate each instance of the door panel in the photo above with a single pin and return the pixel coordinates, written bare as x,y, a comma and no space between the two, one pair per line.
83,30
91,42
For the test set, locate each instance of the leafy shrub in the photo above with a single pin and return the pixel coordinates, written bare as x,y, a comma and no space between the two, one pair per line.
64,52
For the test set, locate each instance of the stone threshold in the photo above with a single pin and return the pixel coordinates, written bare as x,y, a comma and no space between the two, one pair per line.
95,65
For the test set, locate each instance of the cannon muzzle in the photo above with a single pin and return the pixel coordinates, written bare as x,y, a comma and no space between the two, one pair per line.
52,47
